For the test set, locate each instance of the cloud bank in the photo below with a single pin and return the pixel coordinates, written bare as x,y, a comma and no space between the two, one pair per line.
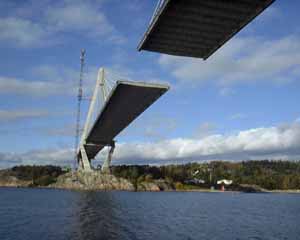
48,80
242,60
13,115
281,142
55,20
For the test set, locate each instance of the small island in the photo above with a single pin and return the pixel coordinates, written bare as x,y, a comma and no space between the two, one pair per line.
247,176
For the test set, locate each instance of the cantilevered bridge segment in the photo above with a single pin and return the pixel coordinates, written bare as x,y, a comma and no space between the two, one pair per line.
120,106
198,28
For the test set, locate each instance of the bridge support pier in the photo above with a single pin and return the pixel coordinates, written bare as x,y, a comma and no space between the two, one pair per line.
84,163
105,167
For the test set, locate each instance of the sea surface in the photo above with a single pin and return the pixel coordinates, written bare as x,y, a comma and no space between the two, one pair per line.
44,214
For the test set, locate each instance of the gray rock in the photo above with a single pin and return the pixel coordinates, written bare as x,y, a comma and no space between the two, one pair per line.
92,181
155,186
7,180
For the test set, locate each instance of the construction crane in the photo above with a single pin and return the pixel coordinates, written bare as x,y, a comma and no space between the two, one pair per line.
79,100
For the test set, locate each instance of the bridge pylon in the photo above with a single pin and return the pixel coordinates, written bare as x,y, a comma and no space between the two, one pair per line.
84,162
121,103
105,167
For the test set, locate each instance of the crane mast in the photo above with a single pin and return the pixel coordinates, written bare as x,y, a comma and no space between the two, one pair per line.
79,100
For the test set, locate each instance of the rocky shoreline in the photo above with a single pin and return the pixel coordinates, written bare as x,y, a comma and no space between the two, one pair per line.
91,181
88,181
105,182
97,181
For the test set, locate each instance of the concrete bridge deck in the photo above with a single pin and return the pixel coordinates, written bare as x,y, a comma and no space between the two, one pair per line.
125,103
198,28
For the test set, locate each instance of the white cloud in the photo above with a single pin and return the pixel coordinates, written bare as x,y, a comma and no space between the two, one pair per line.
240,60
282,142
65,131
22,32
49,22
49,156
249,144
38,157
8,160
37,88
10,115
79,16
152,127
204,130
49,80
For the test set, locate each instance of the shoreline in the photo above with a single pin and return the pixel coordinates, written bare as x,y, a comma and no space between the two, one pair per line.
51,177
174,190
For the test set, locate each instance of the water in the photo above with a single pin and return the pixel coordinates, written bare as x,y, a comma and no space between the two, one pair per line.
55,214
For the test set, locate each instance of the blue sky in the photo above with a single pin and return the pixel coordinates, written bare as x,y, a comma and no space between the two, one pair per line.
242,103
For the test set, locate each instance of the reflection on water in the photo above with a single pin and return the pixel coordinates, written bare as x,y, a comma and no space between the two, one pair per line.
97,216
53,214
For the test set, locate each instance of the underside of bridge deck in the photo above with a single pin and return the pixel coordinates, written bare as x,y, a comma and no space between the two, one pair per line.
125,103
198,28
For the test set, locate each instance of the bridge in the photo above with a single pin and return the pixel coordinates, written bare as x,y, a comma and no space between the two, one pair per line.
198,28
121,102
193,28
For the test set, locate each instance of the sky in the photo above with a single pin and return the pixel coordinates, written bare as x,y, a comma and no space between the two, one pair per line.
240,104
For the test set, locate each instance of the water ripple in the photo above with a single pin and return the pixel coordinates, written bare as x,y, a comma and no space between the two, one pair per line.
54,214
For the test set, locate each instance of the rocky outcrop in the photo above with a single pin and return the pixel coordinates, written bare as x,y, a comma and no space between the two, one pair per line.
95,180
148,186
6,180
155,186
164,185
92,181
251,188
